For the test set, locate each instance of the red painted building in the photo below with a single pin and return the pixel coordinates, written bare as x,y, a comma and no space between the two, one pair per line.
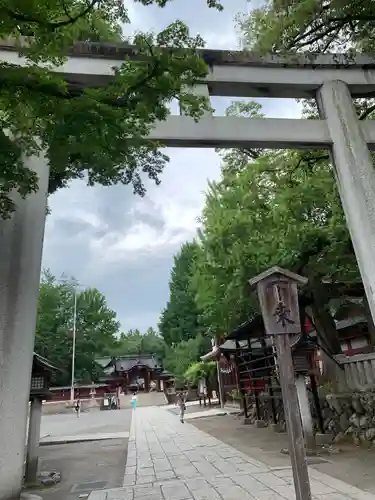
81,391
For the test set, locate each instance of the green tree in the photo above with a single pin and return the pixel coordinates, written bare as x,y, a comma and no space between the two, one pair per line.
179,321
135,342
99,134
294,25
181,355
96,328
263,213
343,26
202,370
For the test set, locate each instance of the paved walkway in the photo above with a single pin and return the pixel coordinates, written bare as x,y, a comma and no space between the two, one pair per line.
89,426
168,460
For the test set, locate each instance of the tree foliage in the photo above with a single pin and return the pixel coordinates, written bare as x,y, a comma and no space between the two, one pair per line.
266,213
99,134
179,357
317,26
96,328
201,370
271,208
135,342
281,208
180,320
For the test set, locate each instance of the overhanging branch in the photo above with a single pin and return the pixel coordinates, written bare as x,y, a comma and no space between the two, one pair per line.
52,26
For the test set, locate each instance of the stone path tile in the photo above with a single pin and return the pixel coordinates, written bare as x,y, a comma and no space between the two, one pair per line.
168,460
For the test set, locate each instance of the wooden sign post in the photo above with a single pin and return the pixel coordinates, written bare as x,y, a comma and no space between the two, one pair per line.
278,297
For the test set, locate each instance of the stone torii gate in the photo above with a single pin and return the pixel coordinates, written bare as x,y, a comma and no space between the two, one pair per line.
332,80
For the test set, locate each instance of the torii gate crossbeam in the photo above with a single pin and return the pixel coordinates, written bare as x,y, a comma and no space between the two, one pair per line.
333,80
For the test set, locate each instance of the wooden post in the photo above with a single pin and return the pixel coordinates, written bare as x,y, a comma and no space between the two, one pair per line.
220,385
273,406
257,406
147,380
239,383
269,378
293,420
315,393
278,297
126,383
306,417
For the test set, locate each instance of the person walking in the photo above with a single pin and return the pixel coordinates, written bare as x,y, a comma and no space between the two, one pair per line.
182,406
134,401
78,407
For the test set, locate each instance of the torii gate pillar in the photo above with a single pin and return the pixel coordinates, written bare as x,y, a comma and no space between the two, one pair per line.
21,243
355,176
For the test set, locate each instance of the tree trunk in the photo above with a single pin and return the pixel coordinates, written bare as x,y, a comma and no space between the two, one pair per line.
327,335
324,322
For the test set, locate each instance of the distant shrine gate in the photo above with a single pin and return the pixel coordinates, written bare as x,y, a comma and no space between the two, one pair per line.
133,373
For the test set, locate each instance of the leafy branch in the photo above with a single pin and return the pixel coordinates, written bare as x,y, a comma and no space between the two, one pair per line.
310,159
18,16
98,133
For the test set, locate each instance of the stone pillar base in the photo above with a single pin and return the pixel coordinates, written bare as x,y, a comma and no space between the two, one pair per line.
247,421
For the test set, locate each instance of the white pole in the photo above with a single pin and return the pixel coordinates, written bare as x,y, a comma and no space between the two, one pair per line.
74,344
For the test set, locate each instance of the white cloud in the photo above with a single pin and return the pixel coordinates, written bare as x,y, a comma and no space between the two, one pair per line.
178,202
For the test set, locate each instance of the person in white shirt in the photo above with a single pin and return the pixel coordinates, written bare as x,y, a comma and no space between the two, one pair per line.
134,401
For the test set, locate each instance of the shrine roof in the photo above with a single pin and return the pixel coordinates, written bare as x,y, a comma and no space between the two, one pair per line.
128,362
40,362
104,362
253,328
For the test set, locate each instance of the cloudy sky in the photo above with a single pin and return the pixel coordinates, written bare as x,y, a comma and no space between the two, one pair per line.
122,244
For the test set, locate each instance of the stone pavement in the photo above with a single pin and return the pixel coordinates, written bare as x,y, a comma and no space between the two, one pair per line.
89,426
168,460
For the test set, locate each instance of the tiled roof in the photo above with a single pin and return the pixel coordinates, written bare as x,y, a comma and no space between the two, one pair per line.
103,362
44,363
126,363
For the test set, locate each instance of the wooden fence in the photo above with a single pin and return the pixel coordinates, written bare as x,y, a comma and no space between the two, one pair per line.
359,370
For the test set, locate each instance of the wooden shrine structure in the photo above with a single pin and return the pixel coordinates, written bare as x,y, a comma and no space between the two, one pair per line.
141,372
248,363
